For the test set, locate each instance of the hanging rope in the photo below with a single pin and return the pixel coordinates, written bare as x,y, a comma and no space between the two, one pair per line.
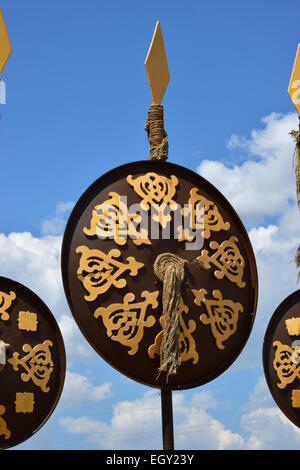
296,136
169,269
157,136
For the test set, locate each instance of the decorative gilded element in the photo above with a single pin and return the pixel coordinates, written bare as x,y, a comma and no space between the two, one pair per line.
125,322
111,219
187,343
296,398
203,215
157,66
37,363
227,258
5,302
4,431
293,326
27,321
221,315
24,402
156,192
285,365
99,271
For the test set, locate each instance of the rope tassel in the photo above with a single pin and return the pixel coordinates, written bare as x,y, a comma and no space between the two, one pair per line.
169,269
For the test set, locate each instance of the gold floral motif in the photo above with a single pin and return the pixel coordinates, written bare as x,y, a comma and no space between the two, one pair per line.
156,192
227,258
125,322
111,219
285,364
99,271
5,302
37,363
221,315
187,344
4,431
203,215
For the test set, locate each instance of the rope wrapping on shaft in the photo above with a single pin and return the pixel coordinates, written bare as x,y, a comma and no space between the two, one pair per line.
169,269
157,136
296,136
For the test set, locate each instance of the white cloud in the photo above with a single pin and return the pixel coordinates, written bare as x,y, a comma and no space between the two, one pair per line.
264,184
137,424
35,262
260,187
266,426
78,389
76,346
54,225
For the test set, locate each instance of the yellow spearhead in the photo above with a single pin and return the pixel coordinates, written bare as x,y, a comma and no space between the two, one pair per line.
157,66
294,86
5,47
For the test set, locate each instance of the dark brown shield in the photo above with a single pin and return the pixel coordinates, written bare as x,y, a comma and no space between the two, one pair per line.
281,356
33,376
114,294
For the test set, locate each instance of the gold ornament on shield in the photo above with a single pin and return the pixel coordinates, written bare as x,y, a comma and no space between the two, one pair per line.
286,364
203,215
37,363
125,322
4,431
227,258
156,192
221,315
111,219
5,302
99,271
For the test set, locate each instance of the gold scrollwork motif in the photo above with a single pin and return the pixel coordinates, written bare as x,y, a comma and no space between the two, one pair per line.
285,364
5,302
37,363
203,215
187,344
221,315
4,431
125,322
99,271
111,219
227,258
156,192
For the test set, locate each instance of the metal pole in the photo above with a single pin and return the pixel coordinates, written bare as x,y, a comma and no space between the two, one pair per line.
167,420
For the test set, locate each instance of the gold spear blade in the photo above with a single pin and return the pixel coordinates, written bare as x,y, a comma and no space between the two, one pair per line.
5,47
157,66
294,86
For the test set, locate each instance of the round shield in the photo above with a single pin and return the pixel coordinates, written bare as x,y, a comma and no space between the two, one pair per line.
117,229
32,363
281,356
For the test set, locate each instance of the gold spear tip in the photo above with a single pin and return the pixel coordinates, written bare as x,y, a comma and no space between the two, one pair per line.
294,85
157,66
5,47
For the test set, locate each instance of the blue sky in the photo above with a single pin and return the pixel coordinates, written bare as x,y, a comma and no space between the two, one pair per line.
77,99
